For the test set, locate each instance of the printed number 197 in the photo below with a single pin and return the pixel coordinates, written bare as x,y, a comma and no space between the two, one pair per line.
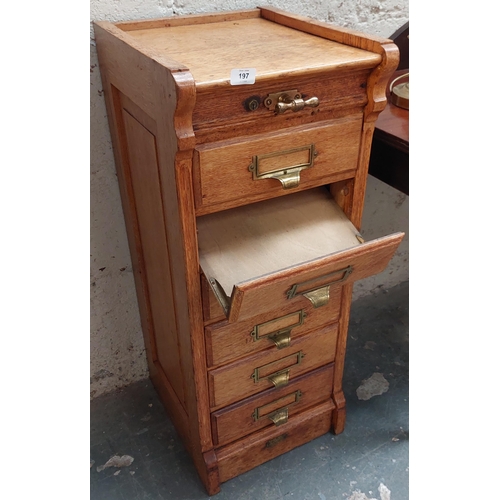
243,76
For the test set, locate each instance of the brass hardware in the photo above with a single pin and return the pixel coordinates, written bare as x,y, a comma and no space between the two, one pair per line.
280,377
277,415
282,336
220,294
289,176
319,295
280,417
400,94
360,238
289,100
296,105
276,440
272,100
282,339
252,103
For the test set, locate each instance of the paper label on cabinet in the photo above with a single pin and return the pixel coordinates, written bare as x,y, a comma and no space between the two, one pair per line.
243,76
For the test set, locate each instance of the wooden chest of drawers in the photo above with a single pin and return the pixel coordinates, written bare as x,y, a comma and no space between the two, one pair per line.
241,143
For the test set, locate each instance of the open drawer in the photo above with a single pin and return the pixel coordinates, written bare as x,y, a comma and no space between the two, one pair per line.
298,247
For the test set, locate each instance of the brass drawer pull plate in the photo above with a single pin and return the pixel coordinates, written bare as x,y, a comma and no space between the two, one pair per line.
276,440
289,100
279,416
281,377
318,295
270,165
281,336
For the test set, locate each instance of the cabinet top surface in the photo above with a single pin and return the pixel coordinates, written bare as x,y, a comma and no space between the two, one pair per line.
212,50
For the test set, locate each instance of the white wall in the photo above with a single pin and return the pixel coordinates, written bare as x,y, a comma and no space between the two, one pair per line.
117,355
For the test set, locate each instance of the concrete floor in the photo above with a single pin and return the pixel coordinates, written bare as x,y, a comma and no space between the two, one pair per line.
369,460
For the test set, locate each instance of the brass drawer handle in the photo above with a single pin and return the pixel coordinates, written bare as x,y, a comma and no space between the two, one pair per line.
320,294
282,339
284,166
319,297
281,336
296,104
279,378
289,100
279,416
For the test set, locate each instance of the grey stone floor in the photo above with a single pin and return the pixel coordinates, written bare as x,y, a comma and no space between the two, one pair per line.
369,460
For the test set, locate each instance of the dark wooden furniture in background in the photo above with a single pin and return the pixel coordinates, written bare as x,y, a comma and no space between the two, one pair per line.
389,160
243,205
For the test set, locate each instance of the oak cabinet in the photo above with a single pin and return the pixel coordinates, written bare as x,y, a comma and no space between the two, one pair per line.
241,143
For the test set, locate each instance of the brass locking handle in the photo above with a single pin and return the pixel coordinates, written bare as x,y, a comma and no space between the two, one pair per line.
296,104
279,102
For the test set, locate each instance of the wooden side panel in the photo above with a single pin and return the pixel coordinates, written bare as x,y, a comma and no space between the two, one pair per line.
262,446
141,145
164,90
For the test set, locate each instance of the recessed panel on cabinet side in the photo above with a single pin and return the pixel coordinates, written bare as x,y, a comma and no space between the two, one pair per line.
142,160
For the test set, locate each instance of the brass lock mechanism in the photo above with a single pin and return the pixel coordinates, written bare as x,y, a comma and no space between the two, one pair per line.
289,100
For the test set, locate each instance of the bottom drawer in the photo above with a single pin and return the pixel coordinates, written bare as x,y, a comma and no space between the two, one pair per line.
272,408
245,454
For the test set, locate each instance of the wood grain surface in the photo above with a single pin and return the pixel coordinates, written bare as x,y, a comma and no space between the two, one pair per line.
221,169
212,50
234,382
240,419
266,444
255,240
229,341
182,139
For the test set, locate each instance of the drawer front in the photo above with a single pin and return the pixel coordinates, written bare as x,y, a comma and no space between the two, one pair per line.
233,173
275,368
262,446
272,407
226,341
312,281
225,113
